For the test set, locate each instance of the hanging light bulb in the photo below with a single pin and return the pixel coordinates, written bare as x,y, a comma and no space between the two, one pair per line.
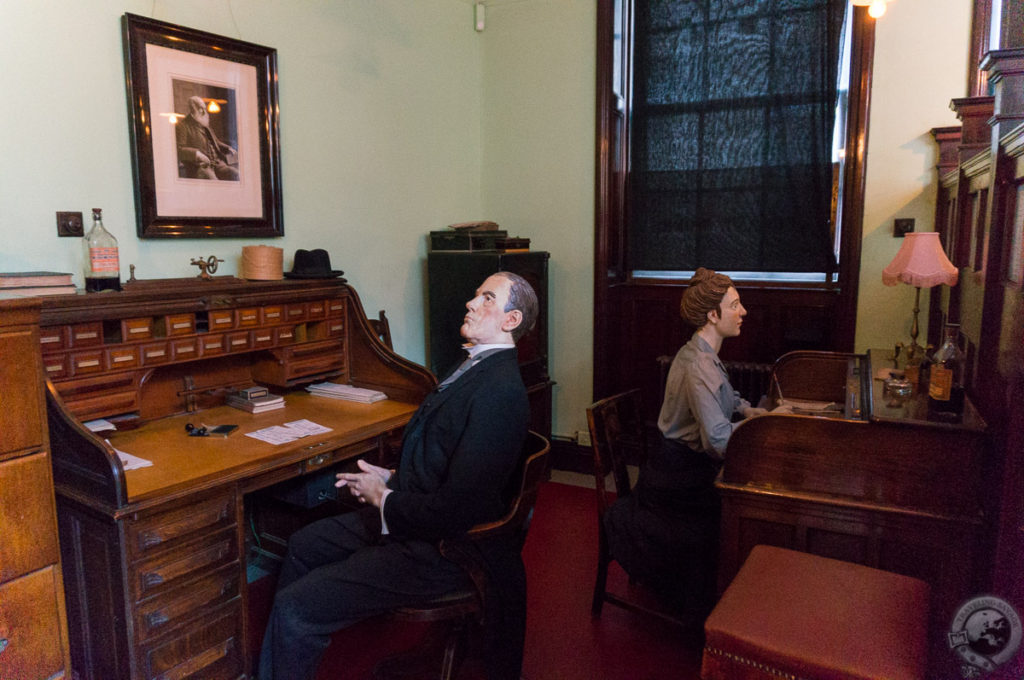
876,9
212,107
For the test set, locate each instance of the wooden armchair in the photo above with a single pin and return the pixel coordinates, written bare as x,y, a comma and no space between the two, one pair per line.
466,609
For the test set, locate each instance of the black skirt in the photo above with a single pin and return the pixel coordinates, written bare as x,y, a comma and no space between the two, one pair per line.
665,533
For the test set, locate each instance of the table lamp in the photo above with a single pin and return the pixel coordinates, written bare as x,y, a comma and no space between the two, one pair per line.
922,263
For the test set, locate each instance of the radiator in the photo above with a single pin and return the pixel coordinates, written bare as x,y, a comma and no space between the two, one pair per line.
750,379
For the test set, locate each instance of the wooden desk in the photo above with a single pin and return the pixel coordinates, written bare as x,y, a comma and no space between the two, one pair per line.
155,557
887,489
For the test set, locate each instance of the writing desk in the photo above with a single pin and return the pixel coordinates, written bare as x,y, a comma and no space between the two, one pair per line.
874,484
155,557
183,465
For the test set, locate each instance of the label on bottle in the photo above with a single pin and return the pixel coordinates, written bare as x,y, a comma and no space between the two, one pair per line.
103,260
940,383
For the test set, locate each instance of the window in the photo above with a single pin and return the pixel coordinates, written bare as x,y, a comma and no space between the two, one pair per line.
733,111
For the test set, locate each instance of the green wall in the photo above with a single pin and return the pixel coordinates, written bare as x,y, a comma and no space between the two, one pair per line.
397,118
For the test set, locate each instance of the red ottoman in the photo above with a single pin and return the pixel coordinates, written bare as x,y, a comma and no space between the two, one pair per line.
789,614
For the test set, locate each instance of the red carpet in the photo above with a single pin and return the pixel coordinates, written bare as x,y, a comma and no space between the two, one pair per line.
562,642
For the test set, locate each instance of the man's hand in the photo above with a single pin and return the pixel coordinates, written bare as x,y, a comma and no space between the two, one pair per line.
368,486
751,411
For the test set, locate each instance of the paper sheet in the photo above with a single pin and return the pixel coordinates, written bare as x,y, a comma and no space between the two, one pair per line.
129,461
289,432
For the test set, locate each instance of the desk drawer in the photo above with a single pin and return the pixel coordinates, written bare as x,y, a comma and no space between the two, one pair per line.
164,612
137,329
86,334
53,338
162,573
30,627
22,505
248,317
212,651
157,532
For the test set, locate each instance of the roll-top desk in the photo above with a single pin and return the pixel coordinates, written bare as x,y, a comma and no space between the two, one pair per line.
155,557
870,480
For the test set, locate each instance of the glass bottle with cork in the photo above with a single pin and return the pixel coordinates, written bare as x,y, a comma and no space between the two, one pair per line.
102,267
946,379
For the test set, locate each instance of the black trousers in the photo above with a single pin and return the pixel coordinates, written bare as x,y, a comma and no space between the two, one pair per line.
338,571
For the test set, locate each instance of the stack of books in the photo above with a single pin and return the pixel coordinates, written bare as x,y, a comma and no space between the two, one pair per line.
36,283
346,392
254,400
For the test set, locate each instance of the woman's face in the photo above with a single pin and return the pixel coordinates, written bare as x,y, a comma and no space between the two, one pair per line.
728,324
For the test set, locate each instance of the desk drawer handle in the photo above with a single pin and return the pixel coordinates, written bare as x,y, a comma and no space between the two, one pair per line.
157,619
86,336
139,329
181,324
152,579
120,359
89,363
262,338
318,460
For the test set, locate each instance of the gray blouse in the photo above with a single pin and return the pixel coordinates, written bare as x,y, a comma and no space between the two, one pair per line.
699,401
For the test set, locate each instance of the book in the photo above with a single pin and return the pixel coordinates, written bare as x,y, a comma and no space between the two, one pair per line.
40,290
29,279
268,402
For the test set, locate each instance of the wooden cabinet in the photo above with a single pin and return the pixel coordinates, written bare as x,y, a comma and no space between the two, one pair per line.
33,626
453,278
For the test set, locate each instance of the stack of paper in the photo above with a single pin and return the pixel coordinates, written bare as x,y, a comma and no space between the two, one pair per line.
347,392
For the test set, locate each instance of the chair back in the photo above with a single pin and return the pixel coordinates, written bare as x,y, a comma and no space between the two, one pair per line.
616,431
382,328
532,471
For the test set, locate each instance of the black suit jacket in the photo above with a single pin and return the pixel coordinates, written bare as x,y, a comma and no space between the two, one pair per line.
459,451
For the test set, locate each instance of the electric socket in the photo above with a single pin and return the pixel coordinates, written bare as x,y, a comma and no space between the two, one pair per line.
69,224
902,226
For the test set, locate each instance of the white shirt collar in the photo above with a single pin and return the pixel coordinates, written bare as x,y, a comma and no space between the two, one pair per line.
473,350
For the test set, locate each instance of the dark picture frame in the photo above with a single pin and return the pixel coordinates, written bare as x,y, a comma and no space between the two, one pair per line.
203,123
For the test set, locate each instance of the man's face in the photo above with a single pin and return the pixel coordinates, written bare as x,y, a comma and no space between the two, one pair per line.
198,111
486,321
728,325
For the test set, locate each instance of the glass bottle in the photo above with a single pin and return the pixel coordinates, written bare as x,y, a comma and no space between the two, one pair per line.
946,379
102,268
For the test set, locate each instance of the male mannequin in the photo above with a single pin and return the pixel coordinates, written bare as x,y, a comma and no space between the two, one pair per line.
459,451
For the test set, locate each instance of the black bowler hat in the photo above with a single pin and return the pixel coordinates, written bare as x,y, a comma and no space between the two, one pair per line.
312,264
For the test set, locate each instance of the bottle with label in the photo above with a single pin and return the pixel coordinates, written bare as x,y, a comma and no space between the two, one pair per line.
102,268
946,379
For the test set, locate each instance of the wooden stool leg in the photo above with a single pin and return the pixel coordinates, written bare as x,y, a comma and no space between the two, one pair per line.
597,603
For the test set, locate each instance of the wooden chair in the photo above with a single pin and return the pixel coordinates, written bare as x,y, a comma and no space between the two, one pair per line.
382,328
464,610
617,436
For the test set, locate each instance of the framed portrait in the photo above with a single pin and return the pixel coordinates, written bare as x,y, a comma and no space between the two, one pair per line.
203,122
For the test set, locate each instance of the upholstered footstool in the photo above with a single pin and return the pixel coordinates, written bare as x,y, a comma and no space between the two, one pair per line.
794,615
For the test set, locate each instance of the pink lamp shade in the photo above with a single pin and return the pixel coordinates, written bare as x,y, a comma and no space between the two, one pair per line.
921,262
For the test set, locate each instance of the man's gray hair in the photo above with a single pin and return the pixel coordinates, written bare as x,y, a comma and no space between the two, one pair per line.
521,296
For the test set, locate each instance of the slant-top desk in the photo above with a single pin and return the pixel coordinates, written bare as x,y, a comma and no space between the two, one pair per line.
155,558
868,479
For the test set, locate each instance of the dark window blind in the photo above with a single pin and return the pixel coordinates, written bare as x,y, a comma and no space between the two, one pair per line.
732,122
